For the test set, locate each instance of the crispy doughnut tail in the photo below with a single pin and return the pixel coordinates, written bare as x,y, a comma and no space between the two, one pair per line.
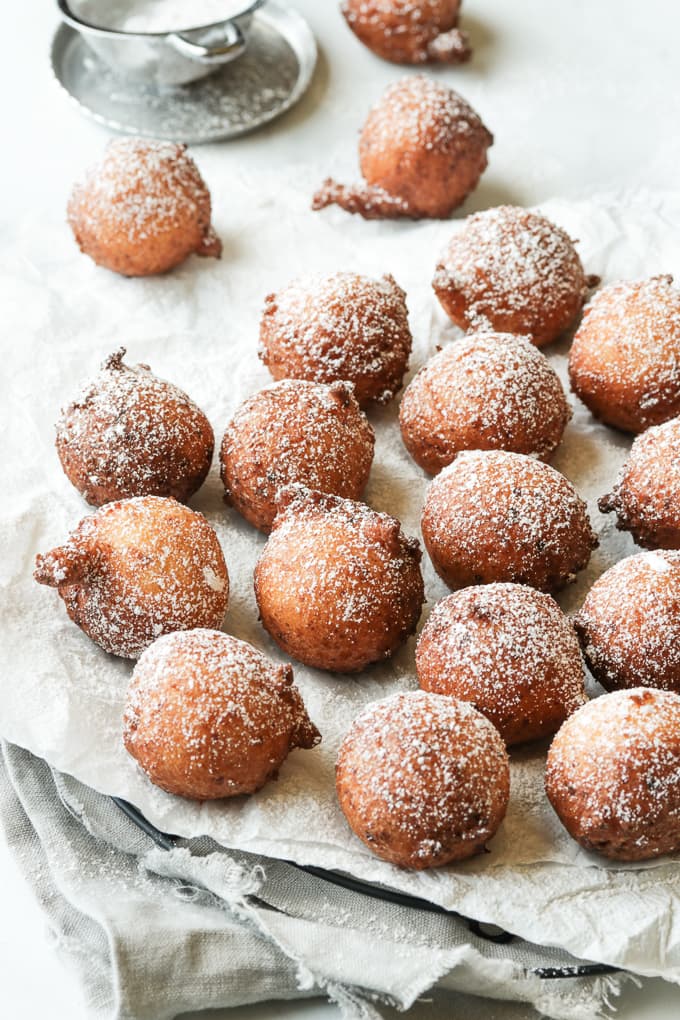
452,47
67,564
211,246
371,202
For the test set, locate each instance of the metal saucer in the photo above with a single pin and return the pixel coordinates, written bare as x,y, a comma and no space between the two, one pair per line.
267,80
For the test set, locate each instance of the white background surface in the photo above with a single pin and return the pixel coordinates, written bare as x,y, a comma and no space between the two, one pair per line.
581,97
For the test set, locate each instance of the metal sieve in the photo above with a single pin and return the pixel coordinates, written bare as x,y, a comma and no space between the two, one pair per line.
166,58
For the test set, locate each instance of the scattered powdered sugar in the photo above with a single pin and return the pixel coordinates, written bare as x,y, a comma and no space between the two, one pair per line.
339,327
629,624
141,186
620,757
485,391
157,15
423,768
508,262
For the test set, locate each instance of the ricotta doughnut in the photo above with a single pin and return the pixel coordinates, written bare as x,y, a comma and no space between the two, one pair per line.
624,363
511,652
207,716
128,433
137,569
487,391
512,271
422,151
613,775
498,516
143,209
423,780
339,328
295,431
338,585
629,624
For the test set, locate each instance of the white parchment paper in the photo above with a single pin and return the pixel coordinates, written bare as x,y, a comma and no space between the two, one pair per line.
62,697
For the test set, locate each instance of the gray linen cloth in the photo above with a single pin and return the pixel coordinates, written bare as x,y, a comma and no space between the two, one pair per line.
153,933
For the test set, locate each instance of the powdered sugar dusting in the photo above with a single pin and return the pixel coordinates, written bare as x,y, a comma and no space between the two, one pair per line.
629,624
509,650
428,769
339,327
141,186
422,113
485,391
212,702
618,759
129,433
510,265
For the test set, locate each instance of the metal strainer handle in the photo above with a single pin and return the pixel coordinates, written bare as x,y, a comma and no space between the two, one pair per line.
231,46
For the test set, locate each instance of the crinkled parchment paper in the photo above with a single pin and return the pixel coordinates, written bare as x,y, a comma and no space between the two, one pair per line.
62,697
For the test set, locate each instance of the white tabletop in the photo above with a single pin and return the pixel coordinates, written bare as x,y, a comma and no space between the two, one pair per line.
581,97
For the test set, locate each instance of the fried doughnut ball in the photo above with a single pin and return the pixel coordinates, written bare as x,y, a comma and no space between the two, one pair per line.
487,391
137,569
613,775
409,31
422,151
207,716
629,624
129,433
339,328
624,363
646,498
498,516
513,271
338,585
510,651
295,431
144,209
423,780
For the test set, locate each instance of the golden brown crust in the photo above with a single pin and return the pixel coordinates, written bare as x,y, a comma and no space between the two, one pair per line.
509,651
486,391
137,569
144,209
422,151
498,516
408,32
295,431
624,363
512,271
129,433
629,624
208,716
646,498
613,775
423,780
338,586
339,328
